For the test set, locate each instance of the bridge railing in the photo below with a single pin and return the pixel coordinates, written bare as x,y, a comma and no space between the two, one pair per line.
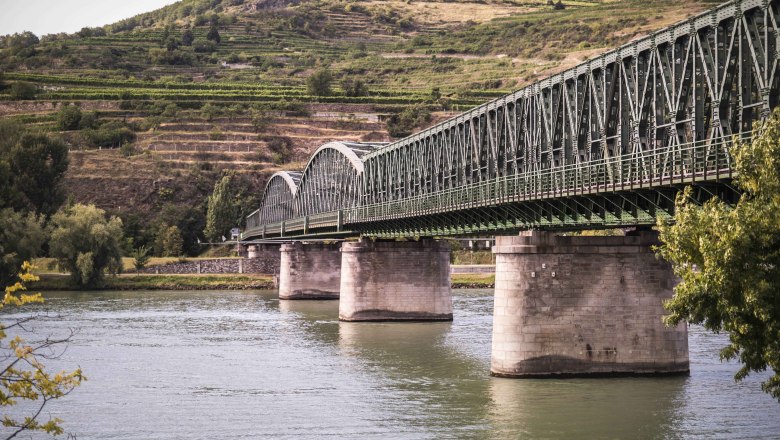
699,161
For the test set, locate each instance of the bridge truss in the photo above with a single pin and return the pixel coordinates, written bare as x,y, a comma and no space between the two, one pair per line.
609,142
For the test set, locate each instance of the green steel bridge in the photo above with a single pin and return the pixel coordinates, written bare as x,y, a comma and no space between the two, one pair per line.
607,143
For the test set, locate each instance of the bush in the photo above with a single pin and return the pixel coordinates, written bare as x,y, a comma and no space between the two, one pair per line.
403,124
23,90
140,257
110,135
88,120
128,150
171,111
354,87
203,46
318,84
69,117
209,111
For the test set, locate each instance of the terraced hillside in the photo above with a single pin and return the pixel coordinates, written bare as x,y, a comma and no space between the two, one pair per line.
204,86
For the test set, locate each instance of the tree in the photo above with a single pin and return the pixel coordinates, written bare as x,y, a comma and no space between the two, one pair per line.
171,241
400,125
222,212
171,44
23,376
37,163
21,239
140,257
23,90
354,87
69,117
319,82
187,37
209,111
728,259
213,34
86,244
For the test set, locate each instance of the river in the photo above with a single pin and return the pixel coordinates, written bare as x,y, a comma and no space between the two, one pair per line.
243,365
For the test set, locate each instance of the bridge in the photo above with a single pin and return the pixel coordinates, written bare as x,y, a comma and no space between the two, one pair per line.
607,143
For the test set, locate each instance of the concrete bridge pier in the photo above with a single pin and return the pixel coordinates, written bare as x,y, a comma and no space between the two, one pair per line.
309,271
395,281
583,306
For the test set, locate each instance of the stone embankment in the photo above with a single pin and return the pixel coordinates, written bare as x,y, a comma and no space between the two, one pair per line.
260,265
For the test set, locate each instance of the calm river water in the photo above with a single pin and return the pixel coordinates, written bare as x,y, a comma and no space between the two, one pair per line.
243,365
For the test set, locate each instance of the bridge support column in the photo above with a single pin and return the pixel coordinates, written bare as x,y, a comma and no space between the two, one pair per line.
395,281
583,306
309,271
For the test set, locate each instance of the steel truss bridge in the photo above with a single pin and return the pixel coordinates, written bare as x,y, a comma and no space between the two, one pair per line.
607,143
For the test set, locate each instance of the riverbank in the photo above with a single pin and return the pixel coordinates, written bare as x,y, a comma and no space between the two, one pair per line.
215,282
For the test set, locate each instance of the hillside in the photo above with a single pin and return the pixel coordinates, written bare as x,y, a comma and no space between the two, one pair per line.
204,86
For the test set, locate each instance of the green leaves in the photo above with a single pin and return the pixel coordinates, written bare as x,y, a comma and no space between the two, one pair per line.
23,376
86,244
223,210
728,259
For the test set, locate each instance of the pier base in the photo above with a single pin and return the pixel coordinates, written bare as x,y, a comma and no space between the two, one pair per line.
309,271
583,306
395,281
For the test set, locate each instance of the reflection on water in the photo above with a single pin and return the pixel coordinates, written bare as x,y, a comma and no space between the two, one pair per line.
246,365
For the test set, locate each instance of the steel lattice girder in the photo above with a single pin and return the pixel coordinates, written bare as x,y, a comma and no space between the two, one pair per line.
700,81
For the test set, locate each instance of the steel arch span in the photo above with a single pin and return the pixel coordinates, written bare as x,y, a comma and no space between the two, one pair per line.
277,203
333,178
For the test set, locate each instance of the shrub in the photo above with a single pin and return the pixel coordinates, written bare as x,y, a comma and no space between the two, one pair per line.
69,117
203,46
140,257
403,124
110,135
128,150
354,87
319,82
88,120
23,90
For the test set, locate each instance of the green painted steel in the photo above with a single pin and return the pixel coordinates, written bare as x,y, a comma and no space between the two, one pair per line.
609,142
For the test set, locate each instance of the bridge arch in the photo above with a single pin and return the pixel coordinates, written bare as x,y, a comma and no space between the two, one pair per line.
279,196
333,178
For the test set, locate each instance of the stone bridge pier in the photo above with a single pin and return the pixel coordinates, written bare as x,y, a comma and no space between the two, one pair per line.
395,281
583,306
309,271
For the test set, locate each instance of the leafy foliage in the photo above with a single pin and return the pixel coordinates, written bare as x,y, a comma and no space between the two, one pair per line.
140,257
404,123
319,83
21,239
32,167
23,376
23,90
170,242
729,259
222,213
69,117
86,244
